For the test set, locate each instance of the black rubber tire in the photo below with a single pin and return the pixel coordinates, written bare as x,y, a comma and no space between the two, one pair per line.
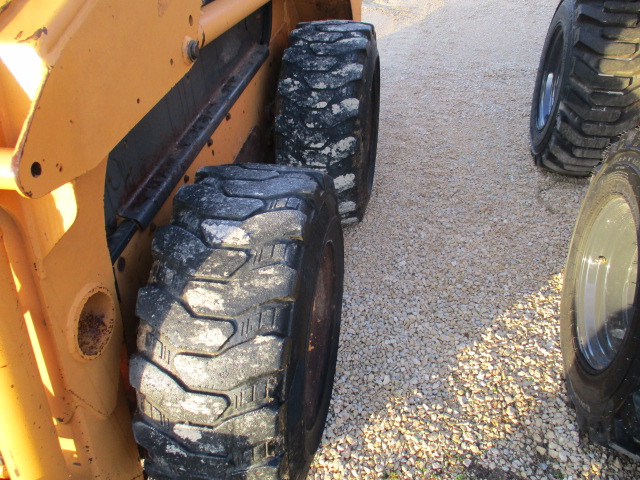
328,105
606,394
252,258
597,92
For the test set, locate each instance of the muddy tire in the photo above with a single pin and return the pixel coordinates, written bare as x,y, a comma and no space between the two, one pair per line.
586,91
239,326
328,105
600,318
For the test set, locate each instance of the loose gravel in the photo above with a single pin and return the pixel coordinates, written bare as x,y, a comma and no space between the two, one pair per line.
449,364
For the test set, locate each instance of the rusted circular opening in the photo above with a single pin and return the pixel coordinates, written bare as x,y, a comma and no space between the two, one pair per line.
95,324
320,334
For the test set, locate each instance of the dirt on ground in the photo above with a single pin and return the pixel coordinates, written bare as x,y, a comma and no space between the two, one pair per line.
450,365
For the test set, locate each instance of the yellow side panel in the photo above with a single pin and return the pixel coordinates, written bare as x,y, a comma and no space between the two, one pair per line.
119,63
310,10
28,440
68,260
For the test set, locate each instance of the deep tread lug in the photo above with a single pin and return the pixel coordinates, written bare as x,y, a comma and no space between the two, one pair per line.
329,73
599,100
220,320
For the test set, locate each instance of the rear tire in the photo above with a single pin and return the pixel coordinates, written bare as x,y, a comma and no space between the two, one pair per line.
328,107
600,318
239,326
586,91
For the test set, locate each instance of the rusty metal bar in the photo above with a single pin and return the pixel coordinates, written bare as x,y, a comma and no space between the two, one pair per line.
219,16
28,440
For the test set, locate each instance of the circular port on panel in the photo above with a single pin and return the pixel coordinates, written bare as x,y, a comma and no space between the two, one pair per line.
95,324
36,169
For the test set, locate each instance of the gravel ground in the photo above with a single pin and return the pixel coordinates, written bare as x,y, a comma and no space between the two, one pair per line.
449,363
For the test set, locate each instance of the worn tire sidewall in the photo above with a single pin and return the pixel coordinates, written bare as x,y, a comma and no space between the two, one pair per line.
303,440
563,19
598,395
369,112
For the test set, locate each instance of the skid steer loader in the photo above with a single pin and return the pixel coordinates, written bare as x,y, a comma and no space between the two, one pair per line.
174,176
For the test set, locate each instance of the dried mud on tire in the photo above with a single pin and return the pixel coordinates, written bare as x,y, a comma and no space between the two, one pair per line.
244,298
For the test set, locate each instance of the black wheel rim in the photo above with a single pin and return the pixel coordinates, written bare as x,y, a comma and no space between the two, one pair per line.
320,335
550,79
606,284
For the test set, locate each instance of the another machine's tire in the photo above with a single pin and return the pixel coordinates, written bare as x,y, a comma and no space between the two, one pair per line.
239,326
586,91
328,106
600,318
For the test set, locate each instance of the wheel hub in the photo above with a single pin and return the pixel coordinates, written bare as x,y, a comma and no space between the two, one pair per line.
606,284
550,80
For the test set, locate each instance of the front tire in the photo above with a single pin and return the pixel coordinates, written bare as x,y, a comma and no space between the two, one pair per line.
600,318
239,326
586,91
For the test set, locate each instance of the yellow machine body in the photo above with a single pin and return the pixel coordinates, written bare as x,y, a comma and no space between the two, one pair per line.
75,77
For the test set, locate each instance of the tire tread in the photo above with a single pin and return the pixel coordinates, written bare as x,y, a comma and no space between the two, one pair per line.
600,98
213,340
322,82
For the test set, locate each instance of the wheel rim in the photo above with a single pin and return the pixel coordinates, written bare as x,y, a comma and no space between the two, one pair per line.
550,79
320,334
606,284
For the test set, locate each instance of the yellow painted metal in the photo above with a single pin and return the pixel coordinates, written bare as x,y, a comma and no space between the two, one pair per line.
64,261
356,10
113,62
94,384
7,176
68,258
310,10
219,16
70,114
28,440
13,98
22,267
